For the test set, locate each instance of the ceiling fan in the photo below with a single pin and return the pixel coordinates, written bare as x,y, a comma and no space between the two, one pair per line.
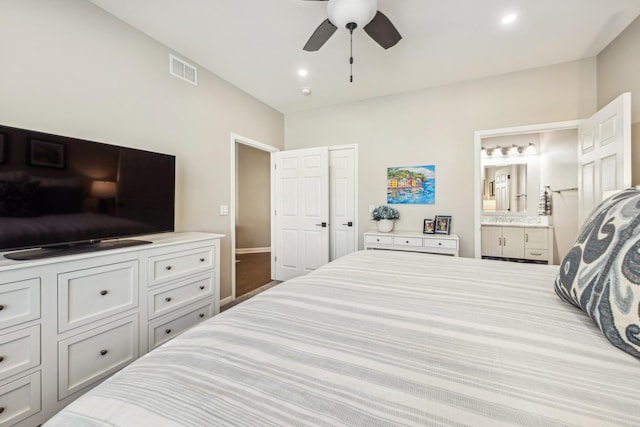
352,14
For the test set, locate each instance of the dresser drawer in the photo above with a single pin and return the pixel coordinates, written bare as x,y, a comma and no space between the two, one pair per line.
386,240
408,241
19,351
440,243
20,399
164,330
536,254
168,298
95,293
19,302
180,264
90,356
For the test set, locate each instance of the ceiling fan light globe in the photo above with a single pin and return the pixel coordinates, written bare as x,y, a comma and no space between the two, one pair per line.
343,12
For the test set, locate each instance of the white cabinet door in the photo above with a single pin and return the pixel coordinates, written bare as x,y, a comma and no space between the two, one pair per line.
301,211
604,154
513,242
491,241
342,204
536,238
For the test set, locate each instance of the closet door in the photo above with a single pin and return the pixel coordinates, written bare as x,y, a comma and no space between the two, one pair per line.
301,211
342,195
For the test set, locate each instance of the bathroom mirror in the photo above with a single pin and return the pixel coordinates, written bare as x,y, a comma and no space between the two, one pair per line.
505,188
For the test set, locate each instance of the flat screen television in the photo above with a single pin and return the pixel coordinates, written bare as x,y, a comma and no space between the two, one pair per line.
61,195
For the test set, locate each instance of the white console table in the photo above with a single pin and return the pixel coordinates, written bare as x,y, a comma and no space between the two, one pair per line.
414,242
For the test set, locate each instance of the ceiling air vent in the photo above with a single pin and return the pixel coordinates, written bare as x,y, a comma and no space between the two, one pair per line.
183,70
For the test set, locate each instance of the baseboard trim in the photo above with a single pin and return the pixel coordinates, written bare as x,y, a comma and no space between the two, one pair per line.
227,300
242,251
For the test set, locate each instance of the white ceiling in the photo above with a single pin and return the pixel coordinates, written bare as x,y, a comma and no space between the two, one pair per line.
257,44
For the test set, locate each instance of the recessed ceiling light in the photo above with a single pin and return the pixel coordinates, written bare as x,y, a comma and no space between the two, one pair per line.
508,19
306,90
302,72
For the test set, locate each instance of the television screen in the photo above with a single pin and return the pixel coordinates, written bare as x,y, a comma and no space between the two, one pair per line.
61,191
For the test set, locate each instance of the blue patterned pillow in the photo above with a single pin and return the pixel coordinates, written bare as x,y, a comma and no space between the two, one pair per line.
601,273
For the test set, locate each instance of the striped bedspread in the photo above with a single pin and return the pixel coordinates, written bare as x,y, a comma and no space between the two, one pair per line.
382,338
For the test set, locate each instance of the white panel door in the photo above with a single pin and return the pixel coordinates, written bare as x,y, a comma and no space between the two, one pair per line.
604,153
342,179
301,211
501,188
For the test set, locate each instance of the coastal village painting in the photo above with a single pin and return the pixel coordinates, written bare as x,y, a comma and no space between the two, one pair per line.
411,185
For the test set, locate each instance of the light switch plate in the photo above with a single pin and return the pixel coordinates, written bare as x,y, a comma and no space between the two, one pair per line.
224,210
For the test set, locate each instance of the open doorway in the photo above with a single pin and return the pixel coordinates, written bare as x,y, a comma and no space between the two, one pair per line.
554,163
250,216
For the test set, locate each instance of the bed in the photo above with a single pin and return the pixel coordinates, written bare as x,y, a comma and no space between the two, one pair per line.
382,338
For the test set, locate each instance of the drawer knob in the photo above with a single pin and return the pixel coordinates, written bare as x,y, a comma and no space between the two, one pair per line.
201,259
103,292
407,242
1,307
201,287
167,331
168,267
377,240
201,315
167,299
439,243
103,352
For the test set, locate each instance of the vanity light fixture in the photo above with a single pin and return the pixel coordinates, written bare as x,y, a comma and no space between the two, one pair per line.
514,150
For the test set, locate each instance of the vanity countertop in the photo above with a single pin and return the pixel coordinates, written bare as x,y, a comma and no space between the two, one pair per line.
514,224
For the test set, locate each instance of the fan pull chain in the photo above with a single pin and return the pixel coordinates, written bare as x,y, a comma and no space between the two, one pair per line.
351,57
351,26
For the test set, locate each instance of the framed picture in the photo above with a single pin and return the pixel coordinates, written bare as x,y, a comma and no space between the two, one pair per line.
428,227
443,224
3,148
46,154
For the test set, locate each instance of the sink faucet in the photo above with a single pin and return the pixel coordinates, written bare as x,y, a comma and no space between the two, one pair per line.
504,216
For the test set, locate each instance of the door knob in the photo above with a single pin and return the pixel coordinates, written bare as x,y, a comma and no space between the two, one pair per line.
323,225
349,224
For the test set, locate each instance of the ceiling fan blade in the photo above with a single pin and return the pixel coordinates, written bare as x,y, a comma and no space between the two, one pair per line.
320,36
382,31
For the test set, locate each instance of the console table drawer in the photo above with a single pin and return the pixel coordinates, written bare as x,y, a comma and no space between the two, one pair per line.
386,240
90,356
408,241
440,243
162,332
20,399
178,264
169,298
19,351
95,293
19,302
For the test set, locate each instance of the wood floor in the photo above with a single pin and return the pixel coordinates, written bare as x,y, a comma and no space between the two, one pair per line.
252,271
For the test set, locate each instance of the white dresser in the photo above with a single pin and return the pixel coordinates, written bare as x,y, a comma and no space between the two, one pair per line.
67,323
445,244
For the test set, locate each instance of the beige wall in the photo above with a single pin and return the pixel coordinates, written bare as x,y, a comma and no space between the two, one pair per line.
253,204
436,126
619,72
69,68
